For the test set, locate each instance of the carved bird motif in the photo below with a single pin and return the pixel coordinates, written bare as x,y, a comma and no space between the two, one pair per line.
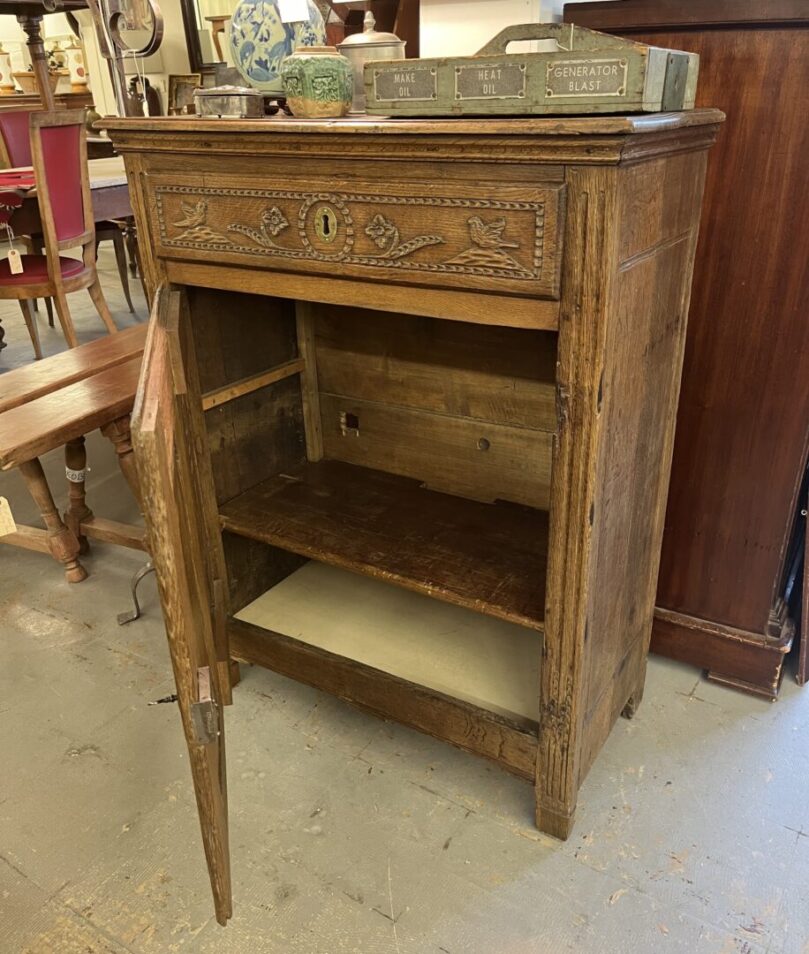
194,214
489,235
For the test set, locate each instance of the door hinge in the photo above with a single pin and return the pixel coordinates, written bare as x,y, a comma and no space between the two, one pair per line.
205,713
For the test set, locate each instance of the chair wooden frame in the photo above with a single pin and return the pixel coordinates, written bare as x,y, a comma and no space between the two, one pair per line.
57,286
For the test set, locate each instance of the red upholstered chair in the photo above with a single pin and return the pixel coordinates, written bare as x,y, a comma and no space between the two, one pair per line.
15,150
15,142
59,154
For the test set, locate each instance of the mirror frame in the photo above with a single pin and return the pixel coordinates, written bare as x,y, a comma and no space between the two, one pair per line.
192,39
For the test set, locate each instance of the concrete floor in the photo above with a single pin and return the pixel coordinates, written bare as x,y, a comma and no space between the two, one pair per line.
349,834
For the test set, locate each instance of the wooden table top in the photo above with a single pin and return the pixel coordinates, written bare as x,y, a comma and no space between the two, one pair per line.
108,187
104,173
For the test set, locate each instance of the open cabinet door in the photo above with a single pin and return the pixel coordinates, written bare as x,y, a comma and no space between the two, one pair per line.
186,547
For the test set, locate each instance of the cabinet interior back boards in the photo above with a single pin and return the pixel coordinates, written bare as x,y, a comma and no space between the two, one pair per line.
405,420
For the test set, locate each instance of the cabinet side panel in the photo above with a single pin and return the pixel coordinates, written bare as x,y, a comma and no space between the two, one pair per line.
637,410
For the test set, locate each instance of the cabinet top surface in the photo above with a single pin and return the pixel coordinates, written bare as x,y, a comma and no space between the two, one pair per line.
621,125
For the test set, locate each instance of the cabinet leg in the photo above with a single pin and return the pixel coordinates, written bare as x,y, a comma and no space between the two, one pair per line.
636,698
554,818
118,432
62,541
77,509
235,673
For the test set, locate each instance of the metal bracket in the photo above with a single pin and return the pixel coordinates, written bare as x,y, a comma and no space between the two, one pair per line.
131,615
205,713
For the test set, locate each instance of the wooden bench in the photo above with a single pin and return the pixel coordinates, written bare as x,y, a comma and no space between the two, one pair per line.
56,402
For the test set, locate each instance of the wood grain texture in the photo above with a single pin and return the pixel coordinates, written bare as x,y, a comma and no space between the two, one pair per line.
253,567
620,355
256,434
27,383
253,383
139,133
486,373
753,661
454,455
32,429
487,557
480,308
512,745
168,462
310,387
641,16
741,414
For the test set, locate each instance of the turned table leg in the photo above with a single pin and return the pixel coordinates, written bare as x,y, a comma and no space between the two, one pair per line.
77,509
118,432
61,540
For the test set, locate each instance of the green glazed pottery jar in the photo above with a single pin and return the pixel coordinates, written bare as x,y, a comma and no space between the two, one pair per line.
318,82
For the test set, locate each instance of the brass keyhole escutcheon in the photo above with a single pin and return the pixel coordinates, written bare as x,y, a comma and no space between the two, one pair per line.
326,224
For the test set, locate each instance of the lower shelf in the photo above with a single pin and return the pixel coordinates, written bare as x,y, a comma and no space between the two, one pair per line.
487,662
491,558
449,672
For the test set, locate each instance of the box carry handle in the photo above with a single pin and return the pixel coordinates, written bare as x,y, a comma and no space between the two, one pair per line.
568,38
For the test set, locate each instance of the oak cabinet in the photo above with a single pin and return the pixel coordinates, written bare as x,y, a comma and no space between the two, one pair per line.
406,417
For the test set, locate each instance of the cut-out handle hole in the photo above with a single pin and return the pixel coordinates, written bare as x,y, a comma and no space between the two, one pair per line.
349,423
483,444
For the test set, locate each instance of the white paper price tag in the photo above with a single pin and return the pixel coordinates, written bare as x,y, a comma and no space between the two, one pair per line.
7,524
15,261
293,11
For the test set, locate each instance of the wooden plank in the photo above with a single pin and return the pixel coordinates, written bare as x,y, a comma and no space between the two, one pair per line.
247,385
462,724
455,455
310,388
167,464
488,557
253,567
49,421
132,132
236,337
29,538
455,305
495,374
25,384
642,16
111,531
255,436
639,398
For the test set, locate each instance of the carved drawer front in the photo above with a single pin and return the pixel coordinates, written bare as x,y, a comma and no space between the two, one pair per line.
488,237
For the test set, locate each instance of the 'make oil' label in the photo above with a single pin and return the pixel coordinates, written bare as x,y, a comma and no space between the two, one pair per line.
586,77
392,85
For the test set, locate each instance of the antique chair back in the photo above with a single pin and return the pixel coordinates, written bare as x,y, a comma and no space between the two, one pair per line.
59,154
15,139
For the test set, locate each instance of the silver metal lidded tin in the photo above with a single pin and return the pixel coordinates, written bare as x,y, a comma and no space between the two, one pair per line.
362,48
238,102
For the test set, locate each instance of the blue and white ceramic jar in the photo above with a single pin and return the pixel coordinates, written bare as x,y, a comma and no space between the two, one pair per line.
260,41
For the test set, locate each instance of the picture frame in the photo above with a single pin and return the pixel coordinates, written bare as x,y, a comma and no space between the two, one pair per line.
181,92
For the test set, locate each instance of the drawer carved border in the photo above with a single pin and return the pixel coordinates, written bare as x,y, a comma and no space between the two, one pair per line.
486,255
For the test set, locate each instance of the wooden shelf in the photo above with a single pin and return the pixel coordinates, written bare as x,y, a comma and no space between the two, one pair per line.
436,647
488,557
